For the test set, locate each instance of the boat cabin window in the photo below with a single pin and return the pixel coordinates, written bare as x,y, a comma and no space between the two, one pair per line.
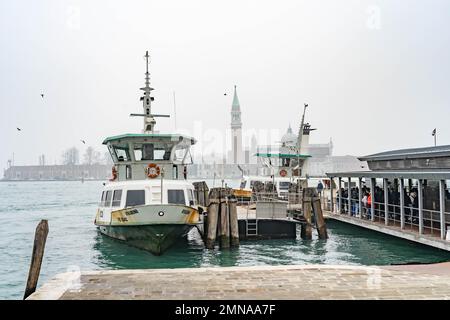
108,198
122,153
117,196
152,151
191,197
243,184
181,153
284,185
128,172
102,201
176,197
135,198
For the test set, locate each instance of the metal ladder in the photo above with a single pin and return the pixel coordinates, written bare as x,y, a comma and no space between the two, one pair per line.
251,227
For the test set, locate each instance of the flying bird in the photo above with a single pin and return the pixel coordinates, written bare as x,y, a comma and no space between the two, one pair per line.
42,95
84,142
224,94
18,129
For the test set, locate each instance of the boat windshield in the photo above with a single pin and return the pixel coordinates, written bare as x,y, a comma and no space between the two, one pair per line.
122,153
152,151
181,153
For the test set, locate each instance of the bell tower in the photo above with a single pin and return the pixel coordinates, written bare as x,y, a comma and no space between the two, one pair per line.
236,131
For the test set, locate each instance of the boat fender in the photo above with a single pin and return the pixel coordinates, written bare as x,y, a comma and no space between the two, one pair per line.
185,172
153,170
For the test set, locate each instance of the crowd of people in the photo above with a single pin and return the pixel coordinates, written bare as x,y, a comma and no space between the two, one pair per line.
352,208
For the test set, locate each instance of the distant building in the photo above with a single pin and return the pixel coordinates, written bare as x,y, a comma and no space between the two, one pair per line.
58,172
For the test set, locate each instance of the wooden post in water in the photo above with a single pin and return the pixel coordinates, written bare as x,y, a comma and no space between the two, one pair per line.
40,238
234,226
306,229
320,221
213,213
224,226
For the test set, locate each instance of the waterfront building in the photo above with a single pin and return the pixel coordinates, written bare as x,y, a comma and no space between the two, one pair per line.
58,172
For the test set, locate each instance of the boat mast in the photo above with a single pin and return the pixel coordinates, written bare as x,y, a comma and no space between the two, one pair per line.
149,118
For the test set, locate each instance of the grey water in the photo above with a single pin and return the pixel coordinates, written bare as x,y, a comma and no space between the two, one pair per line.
74,242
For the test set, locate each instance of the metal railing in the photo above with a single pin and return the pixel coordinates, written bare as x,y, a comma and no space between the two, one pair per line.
431,219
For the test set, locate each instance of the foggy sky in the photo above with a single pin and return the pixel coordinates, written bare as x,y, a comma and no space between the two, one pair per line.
375,73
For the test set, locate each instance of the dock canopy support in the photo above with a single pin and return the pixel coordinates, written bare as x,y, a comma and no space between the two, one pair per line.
386,202
420,196
349,197
442,206
402,203
340,195
372,195
360,196
331,195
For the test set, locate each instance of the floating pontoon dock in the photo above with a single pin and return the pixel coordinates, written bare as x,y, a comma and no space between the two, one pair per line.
409,191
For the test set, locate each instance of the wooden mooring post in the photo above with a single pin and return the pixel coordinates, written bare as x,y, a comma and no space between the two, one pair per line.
222,220
224,227
311,206
211,221
40,238
234,226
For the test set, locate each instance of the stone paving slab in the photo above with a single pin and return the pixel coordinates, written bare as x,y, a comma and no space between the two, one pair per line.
242,283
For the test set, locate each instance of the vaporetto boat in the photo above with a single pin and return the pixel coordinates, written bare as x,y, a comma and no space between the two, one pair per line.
148,203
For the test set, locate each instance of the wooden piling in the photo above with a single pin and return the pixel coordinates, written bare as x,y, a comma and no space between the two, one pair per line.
234,226
40,238
307,195
213,211
224,226
320,221
211,221
306,228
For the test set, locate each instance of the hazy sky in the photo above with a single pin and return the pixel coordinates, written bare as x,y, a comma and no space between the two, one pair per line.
375,73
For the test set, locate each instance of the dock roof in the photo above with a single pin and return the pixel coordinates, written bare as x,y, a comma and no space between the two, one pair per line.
400,174
413,153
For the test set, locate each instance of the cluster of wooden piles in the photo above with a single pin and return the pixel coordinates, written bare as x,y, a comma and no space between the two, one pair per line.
221,221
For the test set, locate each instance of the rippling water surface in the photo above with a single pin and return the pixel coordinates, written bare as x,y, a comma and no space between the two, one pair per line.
73,240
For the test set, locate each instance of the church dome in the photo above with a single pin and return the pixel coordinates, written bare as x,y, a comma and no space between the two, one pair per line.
289,138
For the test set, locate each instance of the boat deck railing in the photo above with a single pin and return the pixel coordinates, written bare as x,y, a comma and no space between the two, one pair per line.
269,205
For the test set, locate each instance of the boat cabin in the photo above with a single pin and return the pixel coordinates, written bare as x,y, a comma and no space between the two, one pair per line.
282,164
131,194
149,156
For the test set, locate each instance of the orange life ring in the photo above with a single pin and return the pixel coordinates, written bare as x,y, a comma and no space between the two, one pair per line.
114,173
283,173
153,170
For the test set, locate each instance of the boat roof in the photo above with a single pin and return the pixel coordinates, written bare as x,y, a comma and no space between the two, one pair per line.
151,136
147,183
266,178
282,155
